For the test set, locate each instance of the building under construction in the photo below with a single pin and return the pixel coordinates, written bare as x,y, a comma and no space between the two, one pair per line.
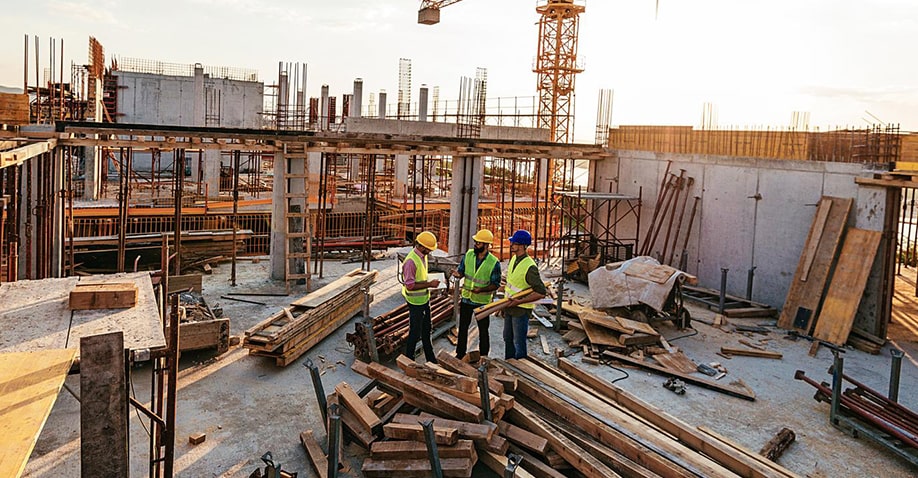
126,184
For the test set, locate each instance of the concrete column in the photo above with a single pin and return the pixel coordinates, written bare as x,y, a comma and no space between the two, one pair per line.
464,194
422,104
212,159
402,179
57,213
278,209
357,100
198,112
92,159
382,104
323,109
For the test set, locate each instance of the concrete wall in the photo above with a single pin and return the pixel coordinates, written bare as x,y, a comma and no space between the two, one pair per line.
735,230
170,100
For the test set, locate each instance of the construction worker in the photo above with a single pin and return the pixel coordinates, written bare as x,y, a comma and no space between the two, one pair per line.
481,272
522,274
416,290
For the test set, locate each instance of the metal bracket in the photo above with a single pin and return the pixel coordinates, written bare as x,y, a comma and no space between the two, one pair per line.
484,391
432,453
319,389
513,462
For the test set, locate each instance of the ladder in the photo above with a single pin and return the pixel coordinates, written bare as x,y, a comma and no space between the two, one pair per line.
297,223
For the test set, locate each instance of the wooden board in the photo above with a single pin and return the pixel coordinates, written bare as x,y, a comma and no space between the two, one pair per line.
451,467
185,282
654,273
349,398
31,383
415,450
677,362
635,326
204,334
107,295
807,287
600,335
104,418
523,438
847,286
14,108
316,456
405,431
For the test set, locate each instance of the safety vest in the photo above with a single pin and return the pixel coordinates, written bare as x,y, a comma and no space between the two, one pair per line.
420,296
516,278
480,277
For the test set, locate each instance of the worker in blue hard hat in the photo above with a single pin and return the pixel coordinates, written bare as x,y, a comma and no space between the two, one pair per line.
522,274
480,271
416,290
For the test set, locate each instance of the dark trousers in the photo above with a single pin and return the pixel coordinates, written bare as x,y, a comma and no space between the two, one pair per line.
465,320
515,329
419,327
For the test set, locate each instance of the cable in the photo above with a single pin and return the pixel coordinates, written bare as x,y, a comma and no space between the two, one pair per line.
694,332
134,395
609,364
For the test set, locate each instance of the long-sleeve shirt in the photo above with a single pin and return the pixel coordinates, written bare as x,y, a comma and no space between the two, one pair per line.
409,270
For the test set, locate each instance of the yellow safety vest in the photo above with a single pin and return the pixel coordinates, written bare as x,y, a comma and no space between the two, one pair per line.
480,277
516,278
420,296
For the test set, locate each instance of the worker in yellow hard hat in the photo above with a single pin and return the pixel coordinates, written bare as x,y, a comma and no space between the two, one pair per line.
416,291
480,271
522,274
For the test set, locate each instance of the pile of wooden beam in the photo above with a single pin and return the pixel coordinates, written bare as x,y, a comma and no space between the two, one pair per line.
603,431
289,333
391,329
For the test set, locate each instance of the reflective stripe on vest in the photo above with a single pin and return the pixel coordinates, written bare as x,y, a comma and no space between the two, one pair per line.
420,296
516,278
480,277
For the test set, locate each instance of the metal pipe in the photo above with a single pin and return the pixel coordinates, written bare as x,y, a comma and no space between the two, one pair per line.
371,337
432,453
484,391
172,389
319,390
877,395
557,324
749,277
723,290
895,370
236,158
334,440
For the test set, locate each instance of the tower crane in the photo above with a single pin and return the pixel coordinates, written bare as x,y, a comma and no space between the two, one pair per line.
429,13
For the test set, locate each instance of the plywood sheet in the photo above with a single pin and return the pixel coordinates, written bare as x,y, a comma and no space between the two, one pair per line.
35,315
600,336
30,385
809,283
847,286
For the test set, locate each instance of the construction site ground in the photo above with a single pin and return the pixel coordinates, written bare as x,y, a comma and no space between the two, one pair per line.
247,406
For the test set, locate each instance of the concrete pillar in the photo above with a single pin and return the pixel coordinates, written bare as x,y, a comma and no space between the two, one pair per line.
464,195
357,100
92,159
323,109
212,161
402,179
198,112
278,210
382,104
57,213
422,104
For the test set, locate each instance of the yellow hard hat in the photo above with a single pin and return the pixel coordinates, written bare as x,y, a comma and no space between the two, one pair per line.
484,236
427,239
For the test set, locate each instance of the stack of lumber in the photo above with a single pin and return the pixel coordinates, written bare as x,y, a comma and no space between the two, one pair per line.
387,419
830,279
391,329
602,431
600,331
289,333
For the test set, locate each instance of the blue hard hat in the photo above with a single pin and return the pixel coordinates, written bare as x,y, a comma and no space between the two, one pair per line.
521,237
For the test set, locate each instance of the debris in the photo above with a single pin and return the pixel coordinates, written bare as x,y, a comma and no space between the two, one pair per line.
676,385
776,446
197,438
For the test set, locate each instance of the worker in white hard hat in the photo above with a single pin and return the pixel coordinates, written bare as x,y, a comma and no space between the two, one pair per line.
416,291
480,271
522,274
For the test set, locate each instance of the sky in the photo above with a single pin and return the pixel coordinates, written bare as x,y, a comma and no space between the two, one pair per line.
842,62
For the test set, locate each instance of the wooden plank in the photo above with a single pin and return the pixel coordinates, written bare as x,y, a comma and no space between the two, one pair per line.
819,225
109,295
751,352
847,286
452,468
523,438
315,454
349,398
204,334
676,362
333,289
451,363
433,373
351,425
415,450
635,326
103,406
669,424
599,335
472,431
31,384
703,382
534,466
407,431
804,297
424,396
746,453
